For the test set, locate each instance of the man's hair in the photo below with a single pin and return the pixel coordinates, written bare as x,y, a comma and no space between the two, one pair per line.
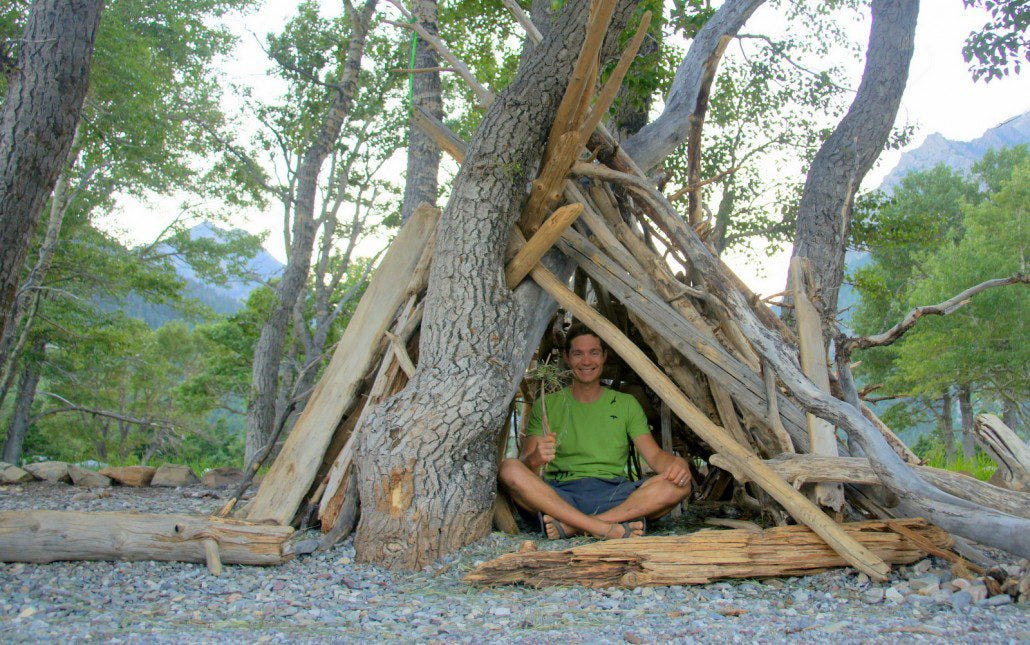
577,330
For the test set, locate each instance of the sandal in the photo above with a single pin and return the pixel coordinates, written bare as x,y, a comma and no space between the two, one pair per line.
562,535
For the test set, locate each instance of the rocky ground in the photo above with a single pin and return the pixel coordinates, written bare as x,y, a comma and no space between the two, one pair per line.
326,597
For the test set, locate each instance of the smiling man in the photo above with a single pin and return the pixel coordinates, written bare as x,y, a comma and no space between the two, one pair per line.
582,452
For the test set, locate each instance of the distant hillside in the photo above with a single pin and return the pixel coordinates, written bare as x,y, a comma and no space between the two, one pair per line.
960,155
223,299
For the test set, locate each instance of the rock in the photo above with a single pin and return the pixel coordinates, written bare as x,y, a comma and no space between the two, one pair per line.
978,592
218,477
960,599
130,475
928,590
961,583
873,596
893,595
87,478
174,475
922,566
10,474
500,611
862,579
51,471
996,601
918,584
942,596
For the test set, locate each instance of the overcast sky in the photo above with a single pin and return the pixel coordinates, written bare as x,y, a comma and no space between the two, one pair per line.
940,97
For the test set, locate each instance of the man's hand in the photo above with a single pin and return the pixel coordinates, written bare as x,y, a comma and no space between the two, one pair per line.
540,450
677,472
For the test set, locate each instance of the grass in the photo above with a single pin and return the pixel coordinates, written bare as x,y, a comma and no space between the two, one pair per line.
979,465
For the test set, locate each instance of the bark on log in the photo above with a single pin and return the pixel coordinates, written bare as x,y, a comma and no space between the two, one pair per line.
799,469
1006,448
701,557
49,536
293,471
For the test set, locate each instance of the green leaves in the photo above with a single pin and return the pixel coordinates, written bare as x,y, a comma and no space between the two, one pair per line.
1000,47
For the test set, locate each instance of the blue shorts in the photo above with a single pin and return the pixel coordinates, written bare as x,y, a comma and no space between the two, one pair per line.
592,495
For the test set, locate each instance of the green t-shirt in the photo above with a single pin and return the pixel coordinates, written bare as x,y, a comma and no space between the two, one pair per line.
592,438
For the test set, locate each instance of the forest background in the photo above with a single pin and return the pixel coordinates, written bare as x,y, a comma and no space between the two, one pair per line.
123,353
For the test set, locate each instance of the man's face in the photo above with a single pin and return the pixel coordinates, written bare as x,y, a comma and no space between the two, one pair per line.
586,359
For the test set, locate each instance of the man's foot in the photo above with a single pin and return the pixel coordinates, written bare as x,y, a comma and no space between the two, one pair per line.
555,530
619,530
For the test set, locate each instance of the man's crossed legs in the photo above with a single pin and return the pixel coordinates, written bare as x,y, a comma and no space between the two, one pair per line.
652,499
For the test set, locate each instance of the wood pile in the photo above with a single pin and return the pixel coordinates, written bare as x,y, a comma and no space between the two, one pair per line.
702,557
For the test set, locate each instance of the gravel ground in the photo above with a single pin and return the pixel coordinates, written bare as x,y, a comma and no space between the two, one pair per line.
326,597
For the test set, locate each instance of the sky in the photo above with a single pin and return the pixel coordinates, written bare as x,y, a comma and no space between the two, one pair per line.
940,97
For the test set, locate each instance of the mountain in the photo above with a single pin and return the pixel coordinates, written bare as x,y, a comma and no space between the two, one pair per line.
223,299
960,155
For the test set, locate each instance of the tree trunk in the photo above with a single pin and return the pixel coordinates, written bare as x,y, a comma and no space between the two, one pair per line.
948,426
268,352
426,459
37,122
824,214
965,410
27,384
423,154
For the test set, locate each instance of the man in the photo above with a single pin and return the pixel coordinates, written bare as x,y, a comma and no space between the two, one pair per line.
584,452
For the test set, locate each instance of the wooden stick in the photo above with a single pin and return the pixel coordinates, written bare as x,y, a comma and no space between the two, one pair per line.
524,20
401,352
540,243
822,438
211,556
802,509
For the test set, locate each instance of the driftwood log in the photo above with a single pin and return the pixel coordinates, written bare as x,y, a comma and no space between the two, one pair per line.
1006,448
49,536
704,556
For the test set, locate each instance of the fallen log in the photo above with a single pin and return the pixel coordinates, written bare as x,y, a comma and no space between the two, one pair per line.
1007,450
704,556
801,469
48,536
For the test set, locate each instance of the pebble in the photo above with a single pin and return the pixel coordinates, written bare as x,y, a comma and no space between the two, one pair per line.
328,597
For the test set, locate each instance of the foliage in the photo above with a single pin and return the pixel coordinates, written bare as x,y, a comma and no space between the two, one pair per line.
931,449
1000,46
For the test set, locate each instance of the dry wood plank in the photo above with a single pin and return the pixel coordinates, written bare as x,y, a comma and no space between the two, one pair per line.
1007,450
796,504
293,471
799,469
704,556
49,536
822,438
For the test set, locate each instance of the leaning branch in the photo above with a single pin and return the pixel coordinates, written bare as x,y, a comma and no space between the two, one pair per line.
942,309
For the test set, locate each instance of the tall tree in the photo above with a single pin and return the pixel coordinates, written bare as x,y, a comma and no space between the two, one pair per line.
825,212
423,165
37,122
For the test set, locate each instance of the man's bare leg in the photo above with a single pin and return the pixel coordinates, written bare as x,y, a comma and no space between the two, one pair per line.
655,497
533,493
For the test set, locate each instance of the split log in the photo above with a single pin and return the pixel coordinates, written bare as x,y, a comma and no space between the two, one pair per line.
49,536
799,469
1006,448
821,434
796,504
704,556
291,475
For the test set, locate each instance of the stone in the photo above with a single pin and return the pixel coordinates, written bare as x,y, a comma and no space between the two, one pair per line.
942,596
862,579
87,478
917,584
961,583
996,601
978,592
10,474
174,475
960,599
928,590
130,475
224,476
893,595
500,611
873,595
51,471
922,566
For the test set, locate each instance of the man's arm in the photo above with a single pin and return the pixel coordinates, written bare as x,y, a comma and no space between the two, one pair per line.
537,451
666,464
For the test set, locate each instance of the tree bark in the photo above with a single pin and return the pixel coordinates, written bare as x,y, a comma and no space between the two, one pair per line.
824,214
268,351
965,410
37,122
423,154
27,384
426,459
